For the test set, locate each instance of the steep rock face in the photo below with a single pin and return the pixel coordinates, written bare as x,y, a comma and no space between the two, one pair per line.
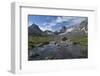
34,30
63,29
80,29
84,26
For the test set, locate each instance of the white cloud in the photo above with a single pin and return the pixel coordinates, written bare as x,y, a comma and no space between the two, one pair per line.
45,28
30,23
62,19
48,26
72,20
77,20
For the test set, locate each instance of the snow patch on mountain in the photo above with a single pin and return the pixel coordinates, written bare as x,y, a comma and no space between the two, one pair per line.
67,31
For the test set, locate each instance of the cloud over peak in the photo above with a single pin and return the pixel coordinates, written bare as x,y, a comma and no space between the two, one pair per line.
54,23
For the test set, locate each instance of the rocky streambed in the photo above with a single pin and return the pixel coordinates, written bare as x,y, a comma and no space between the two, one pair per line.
57,51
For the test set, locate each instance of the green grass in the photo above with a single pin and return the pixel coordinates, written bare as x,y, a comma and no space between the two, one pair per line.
81,40
38,41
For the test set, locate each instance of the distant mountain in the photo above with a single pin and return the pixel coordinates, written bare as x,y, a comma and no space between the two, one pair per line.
84,26
63,29
80,29
56,33
34,30
76,30
48,32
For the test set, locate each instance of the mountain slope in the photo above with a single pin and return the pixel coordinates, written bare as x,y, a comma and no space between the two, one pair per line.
48,32
34,30
80,29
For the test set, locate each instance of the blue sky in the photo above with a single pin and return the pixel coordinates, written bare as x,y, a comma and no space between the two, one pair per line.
54,23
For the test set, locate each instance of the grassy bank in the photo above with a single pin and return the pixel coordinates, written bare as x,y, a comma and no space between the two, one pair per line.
83,41
38,41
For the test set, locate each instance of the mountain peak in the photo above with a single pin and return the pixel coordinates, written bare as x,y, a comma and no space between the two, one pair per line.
34,26
63,29
34,30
